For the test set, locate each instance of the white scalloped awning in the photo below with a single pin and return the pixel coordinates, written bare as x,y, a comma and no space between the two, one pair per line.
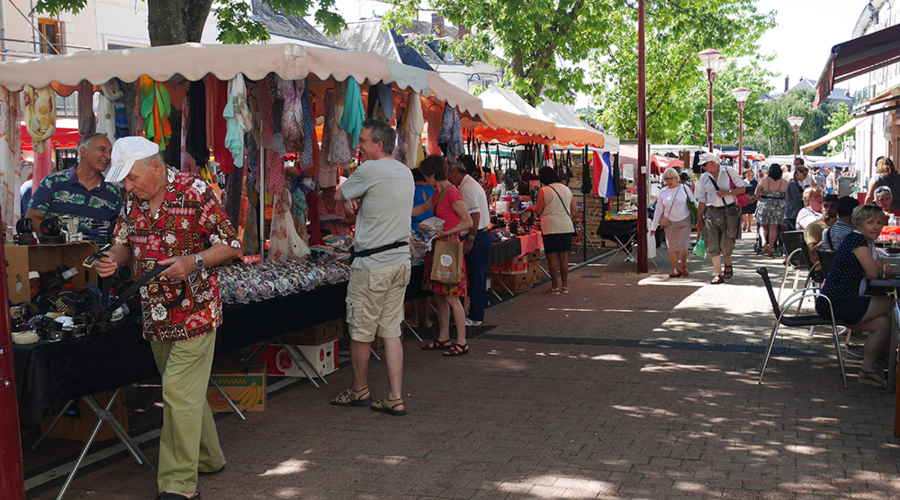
505,111
193,61
569,129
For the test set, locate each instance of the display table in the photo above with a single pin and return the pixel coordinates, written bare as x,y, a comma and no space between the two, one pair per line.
891,287
48,373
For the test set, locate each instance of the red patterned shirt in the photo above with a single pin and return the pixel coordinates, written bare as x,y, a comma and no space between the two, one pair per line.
190,219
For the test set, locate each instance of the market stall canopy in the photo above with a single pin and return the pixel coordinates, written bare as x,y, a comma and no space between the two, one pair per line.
847,127
628,156
569,129
509,119
857,57
838,160
193,61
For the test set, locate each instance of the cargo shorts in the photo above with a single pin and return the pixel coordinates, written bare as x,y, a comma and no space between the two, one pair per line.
717,242
375,301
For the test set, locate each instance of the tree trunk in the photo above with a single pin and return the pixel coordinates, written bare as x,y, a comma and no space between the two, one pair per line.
172,22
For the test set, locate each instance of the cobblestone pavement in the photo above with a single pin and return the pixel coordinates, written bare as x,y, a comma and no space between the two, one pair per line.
631,386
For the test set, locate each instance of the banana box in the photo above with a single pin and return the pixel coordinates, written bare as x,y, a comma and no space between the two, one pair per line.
243,383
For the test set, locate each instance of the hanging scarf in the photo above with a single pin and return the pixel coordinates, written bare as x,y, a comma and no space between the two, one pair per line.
400,148
414,122
451,132
274,171
354,113
237,118
155,109
40,115
308,128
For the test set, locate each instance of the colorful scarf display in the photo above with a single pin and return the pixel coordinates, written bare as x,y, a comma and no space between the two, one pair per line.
40,115
155,109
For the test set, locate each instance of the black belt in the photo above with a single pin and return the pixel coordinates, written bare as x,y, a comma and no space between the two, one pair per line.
372,251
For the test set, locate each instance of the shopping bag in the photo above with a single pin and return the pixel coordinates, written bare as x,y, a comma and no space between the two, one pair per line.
446,267
733,222
700,248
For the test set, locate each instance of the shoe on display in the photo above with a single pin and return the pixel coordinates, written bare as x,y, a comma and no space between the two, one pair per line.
472,322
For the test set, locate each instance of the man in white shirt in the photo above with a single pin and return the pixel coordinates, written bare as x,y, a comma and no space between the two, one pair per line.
716,197
477,246
381,192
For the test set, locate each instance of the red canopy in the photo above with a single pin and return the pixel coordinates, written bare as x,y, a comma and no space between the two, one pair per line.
64,138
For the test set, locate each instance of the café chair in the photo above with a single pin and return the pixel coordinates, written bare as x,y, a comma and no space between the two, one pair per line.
797,259
797,321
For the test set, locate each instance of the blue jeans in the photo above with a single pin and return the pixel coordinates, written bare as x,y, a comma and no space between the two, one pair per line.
476,266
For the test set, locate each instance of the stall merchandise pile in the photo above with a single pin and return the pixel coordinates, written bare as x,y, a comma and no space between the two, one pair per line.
245,283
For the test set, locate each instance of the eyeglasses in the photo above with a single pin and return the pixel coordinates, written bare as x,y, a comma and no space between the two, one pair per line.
669,178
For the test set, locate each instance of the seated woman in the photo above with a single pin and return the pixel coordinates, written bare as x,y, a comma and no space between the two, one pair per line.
856,261
812,207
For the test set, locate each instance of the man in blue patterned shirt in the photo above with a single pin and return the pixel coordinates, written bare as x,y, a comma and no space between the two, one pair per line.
80,191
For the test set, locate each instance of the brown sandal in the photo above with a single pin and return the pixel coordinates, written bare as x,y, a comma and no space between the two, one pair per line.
388,406
352,398
684,271
457,350
676,274
437,344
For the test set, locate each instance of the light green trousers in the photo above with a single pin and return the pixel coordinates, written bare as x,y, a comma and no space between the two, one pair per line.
189,440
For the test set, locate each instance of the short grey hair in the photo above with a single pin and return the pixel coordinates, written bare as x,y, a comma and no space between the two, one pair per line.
382,132
882,191
458,167
146,161
671,172
85,142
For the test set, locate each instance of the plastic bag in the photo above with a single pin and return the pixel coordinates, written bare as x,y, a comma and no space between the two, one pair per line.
700,248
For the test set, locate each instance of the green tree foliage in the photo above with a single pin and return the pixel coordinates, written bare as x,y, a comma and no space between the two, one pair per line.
695,101
775,137
534,37
172,22
676,30
837,119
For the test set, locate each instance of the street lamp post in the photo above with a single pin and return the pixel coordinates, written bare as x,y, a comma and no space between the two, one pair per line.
741,94
711,60
795,122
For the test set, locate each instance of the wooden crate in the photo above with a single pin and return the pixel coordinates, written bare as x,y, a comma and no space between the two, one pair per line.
517,283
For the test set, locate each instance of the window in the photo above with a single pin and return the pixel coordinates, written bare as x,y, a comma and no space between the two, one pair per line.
50,29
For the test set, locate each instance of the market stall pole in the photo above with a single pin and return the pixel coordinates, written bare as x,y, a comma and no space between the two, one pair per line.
795,123
642,146
711,59
12,472
741,94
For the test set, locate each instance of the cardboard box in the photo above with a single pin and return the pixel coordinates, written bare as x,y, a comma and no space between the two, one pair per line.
324,357
318,334
79,422
534,272
517,283
243,383
41,258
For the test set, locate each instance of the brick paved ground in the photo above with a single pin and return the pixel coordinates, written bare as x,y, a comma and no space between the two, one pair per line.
563,400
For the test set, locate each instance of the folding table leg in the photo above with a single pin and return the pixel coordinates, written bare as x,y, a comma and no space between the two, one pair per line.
52,425
375,354
297,362
413,330
230,402
495,294
103,415
308,362
545,272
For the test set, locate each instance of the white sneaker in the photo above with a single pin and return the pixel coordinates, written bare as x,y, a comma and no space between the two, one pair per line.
470,322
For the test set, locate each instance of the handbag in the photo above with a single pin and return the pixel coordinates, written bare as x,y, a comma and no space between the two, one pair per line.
692,207
574,233
446,267
740,200
664,221
733,222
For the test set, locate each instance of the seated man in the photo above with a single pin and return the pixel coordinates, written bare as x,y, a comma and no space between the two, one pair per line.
80,191
812,235
834,235
884,198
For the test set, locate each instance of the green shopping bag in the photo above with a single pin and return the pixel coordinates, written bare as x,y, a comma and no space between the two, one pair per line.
700,248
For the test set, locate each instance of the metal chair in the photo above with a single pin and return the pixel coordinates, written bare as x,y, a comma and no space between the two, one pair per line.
797,321
826,259
797,259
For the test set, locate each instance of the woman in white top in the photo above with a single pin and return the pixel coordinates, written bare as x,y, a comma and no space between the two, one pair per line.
672,203
555,206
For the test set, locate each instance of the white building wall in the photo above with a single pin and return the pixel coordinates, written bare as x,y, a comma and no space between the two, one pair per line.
877,135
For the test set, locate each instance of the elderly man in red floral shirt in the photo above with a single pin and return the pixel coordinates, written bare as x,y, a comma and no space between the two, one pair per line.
172,218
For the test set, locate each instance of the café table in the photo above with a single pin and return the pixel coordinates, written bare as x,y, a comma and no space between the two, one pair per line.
890,287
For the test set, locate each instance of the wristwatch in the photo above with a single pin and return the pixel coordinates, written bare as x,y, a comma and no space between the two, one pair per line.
199,259
470,237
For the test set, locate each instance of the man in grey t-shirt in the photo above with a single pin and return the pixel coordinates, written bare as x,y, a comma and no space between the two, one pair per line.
381,192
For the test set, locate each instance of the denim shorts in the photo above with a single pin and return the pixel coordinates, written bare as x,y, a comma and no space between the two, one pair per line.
849,312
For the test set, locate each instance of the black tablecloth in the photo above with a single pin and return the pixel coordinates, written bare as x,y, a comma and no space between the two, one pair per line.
502,251
48,373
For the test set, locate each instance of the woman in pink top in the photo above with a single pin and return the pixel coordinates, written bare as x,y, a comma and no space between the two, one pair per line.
447,204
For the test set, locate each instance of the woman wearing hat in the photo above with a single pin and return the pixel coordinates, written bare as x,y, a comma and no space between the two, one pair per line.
717,197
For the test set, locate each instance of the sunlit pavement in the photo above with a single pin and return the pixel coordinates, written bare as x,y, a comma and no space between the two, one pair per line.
631,386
